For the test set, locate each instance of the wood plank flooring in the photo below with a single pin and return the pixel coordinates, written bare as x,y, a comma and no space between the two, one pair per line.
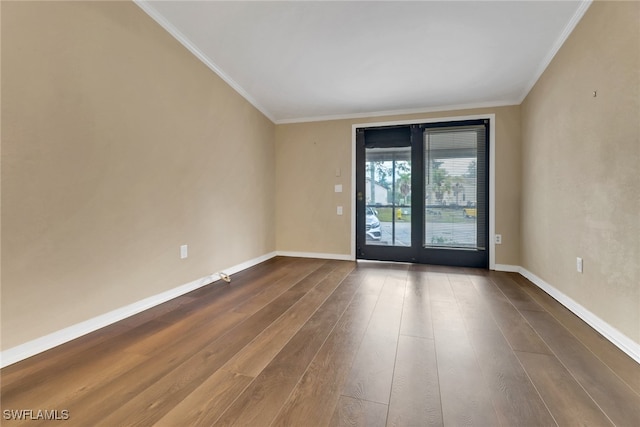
304,342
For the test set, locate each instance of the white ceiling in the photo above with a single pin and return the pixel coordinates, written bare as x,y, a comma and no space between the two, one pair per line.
313,60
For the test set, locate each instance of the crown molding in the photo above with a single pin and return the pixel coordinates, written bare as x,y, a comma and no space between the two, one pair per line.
184,40
425,110
147,7
568,29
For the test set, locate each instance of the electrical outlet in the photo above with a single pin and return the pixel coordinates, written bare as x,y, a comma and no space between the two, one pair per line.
579,264
498,239
184,250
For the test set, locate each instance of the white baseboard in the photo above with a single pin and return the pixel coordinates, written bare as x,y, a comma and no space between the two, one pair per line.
506,267
39,345
340,257
247,264
617,338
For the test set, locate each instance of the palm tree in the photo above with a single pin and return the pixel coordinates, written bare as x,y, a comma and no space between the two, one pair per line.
457,190
441,181
404,186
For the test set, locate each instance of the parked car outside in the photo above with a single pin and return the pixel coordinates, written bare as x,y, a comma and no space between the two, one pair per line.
373,225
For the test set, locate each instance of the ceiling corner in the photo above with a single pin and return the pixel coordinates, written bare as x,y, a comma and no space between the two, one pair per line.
184,40
566,32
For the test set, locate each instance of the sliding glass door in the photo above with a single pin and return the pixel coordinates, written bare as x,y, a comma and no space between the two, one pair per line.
422,193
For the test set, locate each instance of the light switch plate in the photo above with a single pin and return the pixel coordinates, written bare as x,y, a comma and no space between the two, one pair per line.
338,188
339,210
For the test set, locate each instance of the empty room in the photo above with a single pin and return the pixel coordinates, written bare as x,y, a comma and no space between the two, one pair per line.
320,213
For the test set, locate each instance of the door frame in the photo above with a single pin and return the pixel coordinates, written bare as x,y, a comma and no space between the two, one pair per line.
492,139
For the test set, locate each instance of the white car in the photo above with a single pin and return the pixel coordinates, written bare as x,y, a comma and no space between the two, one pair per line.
372,225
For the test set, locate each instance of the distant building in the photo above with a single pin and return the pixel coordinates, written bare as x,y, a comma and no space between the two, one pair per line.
379,195
465,194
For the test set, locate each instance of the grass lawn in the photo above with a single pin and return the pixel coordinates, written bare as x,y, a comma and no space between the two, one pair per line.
384,214
448,215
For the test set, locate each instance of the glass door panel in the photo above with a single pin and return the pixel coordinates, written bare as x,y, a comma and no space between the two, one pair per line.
388,196
451,187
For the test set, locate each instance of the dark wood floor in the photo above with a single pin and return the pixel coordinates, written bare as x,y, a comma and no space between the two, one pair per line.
299,342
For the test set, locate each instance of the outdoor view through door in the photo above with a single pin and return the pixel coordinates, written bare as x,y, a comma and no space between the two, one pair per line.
422,193
388,189
451,187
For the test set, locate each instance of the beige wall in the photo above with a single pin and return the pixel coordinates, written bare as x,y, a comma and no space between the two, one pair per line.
118,146
581,177
308,154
